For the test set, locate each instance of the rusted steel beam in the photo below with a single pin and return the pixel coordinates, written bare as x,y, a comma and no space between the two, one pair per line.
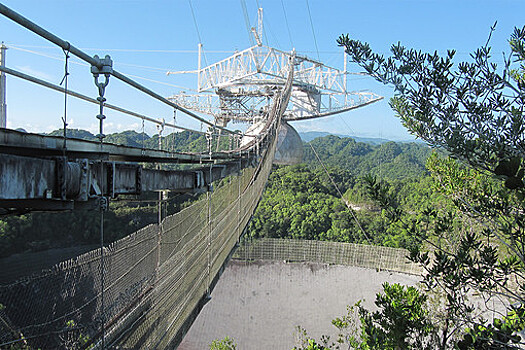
54,183
21,143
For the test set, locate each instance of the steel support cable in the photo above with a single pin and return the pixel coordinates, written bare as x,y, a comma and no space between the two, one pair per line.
14,16
210,230
91,100
166,101
247,21
103,207
313,31
123,64
65,81
80,63
239,176
197,29
341,194
159,208
127,50
287,26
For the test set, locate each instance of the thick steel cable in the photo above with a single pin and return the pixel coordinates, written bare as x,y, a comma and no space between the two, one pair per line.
65,81
130,50
122,64
14,16
313,31
287,26
102,274
89,99
197,29
247,21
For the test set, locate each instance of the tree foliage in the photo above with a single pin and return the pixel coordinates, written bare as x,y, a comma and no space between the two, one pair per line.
301,201
224,344
473,110
401,321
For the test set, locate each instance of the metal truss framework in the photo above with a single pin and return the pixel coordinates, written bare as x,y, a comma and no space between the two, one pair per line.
240,87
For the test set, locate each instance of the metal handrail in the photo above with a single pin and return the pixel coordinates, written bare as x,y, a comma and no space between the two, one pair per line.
95,61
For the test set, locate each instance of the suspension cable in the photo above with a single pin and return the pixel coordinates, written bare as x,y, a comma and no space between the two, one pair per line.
247,21
341,195
65,81
104,204
95,62
89,99
197,29
313,31
286,21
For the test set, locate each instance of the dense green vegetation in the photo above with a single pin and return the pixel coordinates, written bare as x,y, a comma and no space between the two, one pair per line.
301,202
390,160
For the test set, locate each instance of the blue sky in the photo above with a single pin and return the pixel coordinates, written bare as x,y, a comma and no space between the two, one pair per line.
147,38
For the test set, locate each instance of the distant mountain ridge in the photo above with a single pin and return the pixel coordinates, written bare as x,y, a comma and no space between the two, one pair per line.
389,159
360,155
184,141
311,135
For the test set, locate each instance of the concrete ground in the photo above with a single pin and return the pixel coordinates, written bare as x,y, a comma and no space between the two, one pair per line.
260,304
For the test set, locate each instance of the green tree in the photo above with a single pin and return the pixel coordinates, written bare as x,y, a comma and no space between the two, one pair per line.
401,322
223,344
473,110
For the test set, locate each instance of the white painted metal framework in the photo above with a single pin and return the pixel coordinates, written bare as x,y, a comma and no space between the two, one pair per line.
240,87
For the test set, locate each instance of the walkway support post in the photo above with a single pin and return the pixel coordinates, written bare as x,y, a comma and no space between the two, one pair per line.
3,105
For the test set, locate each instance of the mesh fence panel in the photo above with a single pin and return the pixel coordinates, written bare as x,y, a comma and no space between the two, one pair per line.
64,304
153,279
360,255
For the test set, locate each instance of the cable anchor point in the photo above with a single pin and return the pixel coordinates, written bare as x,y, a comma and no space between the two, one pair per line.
103,203
104,67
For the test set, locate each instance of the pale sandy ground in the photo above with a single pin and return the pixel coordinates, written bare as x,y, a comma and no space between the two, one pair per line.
260,304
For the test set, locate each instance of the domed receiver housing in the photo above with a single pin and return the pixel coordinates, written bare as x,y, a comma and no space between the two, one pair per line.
289,146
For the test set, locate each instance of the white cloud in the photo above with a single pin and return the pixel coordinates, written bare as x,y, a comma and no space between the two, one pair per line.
35,73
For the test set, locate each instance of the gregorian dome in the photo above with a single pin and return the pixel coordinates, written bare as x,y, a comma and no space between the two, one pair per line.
289,146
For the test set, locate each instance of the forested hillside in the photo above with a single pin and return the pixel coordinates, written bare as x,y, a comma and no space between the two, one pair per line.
302,202
391,160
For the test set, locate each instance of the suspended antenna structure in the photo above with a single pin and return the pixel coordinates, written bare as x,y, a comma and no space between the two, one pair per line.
240,87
